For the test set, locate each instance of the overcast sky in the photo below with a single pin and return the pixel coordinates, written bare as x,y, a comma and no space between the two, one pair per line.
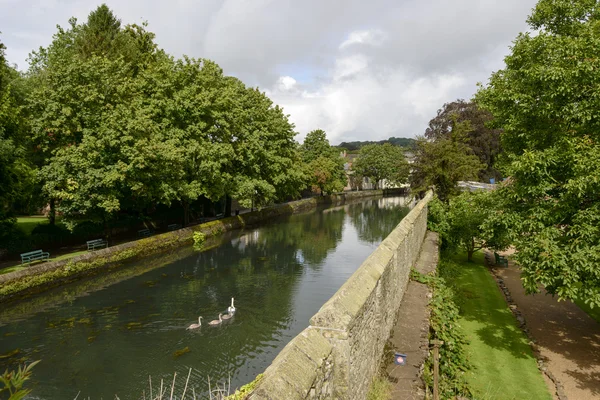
359,69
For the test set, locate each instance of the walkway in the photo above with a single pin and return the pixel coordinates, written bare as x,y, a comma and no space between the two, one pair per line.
567,337
410,334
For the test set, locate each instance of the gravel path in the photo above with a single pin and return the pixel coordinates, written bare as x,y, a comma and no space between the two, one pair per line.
567,337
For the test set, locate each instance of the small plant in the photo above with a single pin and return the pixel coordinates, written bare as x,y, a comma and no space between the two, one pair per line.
199,239
13,382
381,389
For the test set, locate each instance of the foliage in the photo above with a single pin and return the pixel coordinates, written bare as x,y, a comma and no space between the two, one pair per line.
483,140
379,162
380,389
245,390
14,381
407,143
444,161
16,174
323,165
546,100
444,326
199,239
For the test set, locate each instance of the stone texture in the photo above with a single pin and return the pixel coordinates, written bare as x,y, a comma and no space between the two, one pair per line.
356,323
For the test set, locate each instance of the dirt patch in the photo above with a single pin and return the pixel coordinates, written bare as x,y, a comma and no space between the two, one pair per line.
567,339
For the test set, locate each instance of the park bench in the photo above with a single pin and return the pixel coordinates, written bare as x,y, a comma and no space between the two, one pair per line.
500,260
34,255
174,227
96,244
144,232
221,215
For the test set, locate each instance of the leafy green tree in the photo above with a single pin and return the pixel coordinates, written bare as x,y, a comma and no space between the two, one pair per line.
379,162
444,161
546,100
483,140
323,164
16,172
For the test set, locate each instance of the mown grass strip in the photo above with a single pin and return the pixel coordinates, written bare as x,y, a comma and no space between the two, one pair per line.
503,364
592,312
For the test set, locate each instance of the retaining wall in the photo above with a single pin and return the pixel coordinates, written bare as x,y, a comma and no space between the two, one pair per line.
339,353
41,277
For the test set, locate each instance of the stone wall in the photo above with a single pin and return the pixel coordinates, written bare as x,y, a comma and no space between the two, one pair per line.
339,353
43,276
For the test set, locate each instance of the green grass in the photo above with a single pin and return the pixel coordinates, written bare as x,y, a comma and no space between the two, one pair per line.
503,364
26,224
19,266
381,389
592,312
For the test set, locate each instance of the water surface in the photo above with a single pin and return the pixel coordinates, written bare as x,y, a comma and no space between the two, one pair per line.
108,340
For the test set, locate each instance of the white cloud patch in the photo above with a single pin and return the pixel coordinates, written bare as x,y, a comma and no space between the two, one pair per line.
360,70
370,37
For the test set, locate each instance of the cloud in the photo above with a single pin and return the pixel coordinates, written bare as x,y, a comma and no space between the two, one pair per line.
370,37
360,70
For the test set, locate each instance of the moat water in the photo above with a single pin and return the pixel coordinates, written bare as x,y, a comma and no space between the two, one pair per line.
99,342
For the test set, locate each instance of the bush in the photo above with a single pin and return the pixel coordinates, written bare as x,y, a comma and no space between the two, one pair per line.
199,239
444,326
45,235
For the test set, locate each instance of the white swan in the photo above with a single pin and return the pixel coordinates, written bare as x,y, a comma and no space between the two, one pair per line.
198,325
227,316
216,321
231,309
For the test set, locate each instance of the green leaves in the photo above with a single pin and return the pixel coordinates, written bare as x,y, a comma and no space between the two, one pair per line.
323,165
546,100
14,381
379,162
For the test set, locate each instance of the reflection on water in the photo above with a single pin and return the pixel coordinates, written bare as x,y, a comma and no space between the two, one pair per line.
109,341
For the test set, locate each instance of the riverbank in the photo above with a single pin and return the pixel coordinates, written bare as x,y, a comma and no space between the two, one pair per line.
41,277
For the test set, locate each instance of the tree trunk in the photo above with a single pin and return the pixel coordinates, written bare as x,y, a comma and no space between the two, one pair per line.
228,202
52,212
471,250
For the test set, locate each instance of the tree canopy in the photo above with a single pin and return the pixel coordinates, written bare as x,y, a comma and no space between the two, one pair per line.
443,161
546,100
483,140
379,162
323,164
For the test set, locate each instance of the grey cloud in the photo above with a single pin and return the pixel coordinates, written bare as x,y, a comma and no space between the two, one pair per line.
402,59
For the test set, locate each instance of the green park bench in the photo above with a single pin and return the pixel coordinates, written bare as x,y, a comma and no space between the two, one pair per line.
96,244
145,232
219,216
174,227
500,260
35,255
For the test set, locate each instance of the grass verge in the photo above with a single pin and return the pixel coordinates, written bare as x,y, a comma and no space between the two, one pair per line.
26,224
381,389
503,366
592,312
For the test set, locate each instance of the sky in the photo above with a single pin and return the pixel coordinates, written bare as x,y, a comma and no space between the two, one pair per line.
360,70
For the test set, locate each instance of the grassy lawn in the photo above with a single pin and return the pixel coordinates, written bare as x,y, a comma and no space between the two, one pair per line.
503,365
26,224
592,312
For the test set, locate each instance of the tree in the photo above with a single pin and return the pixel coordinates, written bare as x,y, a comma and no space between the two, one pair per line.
379,162
546,100
16,173
323,164
444,161
483,140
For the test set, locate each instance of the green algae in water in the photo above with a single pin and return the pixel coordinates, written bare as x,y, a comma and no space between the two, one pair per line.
10,354
134,325
179,353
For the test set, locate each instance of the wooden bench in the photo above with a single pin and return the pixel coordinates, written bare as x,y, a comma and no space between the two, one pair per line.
174,227
34,255
500,260
96,244
221,215
145,232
